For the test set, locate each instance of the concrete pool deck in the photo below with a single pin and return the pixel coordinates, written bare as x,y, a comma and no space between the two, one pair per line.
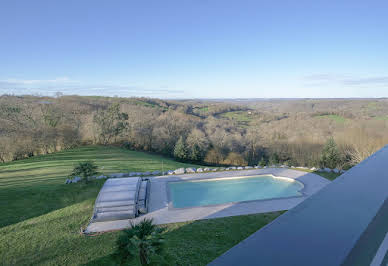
161,211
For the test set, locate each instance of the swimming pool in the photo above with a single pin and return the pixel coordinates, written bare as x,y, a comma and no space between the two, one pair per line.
185,194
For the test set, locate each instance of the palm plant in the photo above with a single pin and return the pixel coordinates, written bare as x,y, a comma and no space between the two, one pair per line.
85,170
143,240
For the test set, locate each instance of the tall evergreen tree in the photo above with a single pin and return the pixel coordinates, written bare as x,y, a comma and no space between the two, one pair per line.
330,156
273,159
180,150
196,154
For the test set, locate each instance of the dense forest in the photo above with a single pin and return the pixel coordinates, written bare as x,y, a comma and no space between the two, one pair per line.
303,132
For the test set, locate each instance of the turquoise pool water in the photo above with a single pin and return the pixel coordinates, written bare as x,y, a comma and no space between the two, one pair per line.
210,192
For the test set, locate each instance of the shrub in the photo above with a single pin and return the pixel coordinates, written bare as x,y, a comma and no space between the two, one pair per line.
234,158
85,170
140,241
214,156
262,162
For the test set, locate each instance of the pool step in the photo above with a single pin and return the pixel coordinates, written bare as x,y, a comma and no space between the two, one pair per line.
119,188
114,209
114,215
129,196
108,204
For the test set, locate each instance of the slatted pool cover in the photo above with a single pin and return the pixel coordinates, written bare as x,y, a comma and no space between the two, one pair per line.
117,199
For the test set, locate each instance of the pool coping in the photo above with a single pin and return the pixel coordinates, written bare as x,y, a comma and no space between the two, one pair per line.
160,212
170,203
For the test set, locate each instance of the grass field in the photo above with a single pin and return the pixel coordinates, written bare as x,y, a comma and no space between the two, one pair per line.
147,104
204,109
373,106
241,117
330,176
336,118
41,217
381,117
38,182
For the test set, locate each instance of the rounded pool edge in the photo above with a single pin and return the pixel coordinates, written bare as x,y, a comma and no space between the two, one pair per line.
209,178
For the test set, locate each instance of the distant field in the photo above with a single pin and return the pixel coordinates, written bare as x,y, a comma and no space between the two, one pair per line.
203,109
382,117
336,118
41,216
373,106
243,118
147,104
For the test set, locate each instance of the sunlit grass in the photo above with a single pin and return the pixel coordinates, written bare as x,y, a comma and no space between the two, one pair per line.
37,184
41,217
330,176
55,239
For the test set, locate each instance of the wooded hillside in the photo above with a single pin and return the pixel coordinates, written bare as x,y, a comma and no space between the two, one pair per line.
229,132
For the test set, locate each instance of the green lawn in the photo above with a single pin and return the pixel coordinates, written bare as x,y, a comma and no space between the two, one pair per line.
37,184
330,176
41,217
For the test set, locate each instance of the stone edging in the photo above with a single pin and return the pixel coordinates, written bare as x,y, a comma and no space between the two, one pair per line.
192,170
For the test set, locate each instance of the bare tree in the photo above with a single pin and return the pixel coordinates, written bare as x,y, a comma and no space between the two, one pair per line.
110,123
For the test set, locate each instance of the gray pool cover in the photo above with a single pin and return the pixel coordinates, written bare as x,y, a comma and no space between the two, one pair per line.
117,199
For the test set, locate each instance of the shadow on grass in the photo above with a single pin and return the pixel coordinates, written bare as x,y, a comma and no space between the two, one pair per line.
200,242
330,176
28,202
105,260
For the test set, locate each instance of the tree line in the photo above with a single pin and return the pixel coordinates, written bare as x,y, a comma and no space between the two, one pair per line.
31,126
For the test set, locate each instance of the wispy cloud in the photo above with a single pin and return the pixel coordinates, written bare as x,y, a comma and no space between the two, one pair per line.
32,84
344,80
39,81
383,80
68,86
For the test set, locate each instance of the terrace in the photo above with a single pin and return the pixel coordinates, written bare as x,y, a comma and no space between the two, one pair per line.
345,223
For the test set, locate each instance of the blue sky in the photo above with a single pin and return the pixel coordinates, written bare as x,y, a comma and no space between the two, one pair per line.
195,49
